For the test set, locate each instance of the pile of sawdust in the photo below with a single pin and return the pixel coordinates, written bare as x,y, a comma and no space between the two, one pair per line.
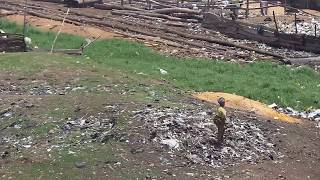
245,104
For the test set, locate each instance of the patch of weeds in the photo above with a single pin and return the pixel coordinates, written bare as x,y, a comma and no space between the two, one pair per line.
43,129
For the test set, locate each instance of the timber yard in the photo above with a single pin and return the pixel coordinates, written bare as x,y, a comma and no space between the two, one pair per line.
159,89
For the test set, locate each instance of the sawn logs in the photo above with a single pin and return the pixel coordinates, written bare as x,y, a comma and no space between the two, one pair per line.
261,34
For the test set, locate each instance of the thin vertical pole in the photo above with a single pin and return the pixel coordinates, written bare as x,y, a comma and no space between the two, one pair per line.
247,9
315,30
25,19
295,22
285,5
149,4
62,24
275,21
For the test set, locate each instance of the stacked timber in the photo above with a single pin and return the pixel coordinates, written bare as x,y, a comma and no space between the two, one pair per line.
241,30
82,2
12,43
54,1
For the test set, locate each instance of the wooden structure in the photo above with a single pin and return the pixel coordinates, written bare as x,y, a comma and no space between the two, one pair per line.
12,43
82,3
240,30
308,4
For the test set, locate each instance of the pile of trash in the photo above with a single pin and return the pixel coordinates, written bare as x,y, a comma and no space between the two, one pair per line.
313,115
193,133
307,28
96,128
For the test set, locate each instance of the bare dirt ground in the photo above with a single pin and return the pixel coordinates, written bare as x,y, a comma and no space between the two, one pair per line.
52,25
82,121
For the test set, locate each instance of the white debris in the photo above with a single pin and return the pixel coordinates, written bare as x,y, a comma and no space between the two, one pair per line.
314,114
172,143
2,32
27,146
274,105
163,72
78,88
8,114
303,27
27,40
71,152
190,174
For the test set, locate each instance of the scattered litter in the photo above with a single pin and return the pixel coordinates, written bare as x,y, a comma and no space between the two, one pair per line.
245,141
163,72
80,165
27,146
172,143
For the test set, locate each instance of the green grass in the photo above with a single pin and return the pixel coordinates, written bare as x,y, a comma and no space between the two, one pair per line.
43,39
266,82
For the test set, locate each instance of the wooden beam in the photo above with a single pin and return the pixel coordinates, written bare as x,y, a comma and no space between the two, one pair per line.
275,21
247,9
295,22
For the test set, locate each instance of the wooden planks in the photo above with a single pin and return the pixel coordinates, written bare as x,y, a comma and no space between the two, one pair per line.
12,43
261,34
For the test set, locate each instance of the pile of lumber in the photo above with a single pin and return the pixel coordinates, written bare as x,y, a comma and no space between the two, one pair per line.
82,2
269,36
12,43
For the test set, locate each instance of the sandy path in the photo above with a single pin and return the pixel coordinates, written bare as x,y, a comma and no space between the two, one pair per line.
51,25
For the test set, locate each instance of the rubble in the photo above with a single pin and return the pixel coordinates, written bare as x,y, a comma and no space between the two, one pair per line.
192,133
80,165
313,115
172,143
307,28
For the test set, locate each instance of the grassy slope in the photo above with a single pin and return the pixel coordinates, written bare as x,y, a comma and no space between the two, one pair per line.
266,82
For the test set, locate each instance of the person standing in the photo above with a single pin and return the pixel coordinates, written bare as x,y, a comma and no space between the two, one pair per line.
264,7
235,6
220,120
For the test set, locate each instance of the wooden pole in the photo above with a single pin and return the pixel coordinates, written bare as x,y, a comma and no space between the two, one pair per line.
247,10
149,6
285,6
295,22
25,19
121,2
275,21
315,30
55,39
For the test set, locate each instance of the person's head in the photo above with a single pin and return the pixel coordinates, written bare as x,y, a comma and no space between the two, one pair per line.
221,101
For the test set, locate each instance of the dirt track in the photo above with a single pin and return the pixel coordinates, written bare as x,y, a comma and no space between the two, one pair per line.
51,25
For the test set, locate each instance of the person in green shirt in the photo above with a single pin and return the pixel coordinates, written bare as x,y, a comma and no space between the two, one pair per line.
220,120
